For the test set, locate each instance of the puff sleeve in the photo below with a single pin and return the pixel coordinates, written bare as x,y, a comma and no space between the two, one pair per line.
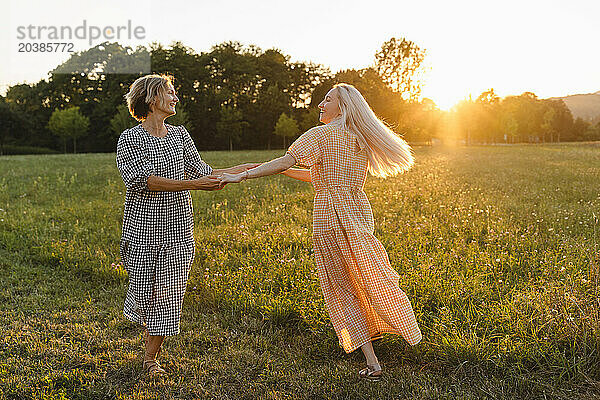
133,162
307,150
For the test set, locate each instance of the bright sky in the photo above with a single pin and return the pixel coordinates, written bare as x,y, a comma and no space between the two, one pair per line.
544,46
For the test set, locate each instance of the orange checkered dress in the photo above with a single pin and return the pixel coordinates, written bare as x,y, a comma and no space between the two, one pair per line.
359,285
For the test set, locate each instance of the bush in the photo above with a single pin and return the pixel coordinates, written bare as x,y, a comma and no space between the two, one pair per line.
14,150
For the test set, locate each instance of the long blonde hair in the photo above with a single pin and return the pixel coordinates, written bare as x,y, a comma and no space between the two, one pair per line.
388,153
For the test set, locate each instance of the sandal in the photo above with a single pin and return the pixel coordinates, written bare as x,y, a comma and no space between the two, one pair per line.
371,373
153,367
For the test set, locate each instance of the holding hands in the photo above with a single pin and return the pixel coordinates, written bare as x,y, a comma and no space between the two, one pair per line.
216,180
209,182
234,174
233,178
242,172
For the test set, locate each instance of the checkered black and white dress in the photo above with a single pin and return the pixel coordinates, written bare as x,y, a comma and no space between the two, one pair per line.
157,242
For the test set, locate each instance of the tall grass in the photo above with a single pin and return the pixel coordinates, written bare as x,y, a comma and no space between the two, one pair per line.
497,247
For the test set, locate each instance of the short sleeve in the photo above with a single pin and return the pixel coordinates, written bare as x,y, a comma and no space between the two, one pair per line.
133,162
306,150
193,165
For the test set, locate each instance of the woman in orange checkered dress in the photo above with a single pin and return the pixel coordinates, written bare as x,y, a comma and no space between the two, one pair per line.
359,285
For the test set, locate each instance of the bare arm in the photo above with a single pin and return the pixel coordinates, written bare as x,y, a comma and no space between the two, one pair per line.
297,173
269,168
160,184
235,170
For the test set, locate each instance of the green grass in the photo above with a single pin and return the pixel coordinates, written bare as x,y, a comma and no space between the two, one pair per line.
496,248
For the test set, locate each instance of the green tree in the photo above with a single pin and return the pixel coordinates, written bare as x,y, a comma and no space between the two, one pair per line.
399,63
309,119
305,77
510,127
33,104
548,126
122,120
286,127
271,102
580,128
426,120
593,132
180,118
487,124
464,119
11,123
106,58
261,85
231,126
562,120
69,123
527,111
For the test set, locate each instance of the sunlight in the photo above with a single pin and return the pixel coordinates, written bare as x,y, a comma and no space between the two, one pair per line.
445,84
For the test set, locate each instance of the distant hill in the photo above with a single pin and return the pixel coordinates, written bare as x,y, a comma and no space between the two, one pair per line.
586,106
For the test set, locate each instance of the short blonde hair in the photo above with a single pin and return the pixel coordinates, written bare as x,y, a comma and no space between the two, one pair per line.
142,93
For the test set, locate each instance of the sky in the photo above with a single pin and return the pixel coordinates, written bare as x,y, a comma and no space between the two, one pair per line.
546,47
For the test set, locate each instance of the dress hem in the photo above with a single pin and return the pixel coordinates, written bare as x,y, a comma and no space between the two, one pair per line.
136,320
379,336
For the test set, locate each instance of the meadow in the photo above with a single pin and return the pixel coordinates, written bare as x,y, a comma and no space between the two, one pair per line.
497,248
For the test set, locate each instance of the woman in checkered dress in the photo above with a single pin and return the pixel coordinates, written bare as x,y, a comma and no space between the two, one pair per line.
159,164
359,285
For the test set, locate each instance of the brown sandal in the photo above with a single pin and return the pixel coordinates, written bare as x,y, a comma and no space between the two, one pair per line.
153,368
371,373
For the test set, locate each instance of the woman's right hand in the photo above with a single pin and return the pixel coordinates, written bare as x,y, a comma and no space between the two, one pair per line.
209,182
233,178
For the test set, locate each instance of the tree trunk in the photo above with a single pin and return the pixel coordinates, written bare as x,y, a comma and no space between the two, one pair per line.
230,144
74,145
65,145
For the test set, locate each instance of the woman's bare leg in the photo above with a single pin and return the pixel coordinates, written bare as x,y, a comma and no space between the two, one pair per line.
147,338
153,344
369,353
373,370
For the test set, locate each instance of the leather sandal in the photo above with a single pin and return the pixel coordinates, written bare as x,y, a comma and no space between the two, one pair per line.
153,368
371,373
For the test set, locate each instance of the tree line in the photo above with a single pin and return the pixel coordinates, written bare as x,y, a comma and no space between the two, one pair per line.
242,97
516,119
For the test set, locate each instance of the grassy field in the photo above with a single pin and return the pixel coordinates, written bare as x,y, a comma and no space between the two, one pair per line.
495,246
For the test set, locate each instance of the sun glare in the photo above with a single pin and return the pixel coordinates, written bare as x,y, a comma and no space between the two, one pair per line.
448,86
445,96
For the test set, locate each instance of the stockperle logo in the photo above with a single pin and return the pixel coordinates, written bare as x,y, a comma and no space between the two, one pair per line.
85,31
